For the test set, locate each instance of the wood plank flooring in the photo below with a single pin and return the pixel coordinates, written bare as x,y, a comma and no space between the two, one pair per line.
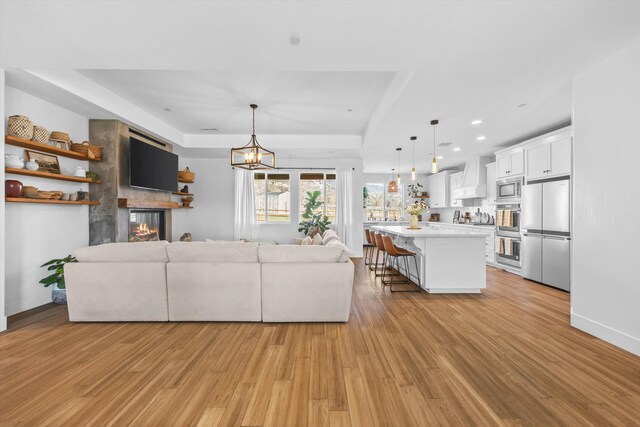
505,357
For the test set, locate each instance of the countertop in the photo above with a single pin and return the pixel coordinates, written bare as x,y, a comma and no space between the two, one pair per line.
427,232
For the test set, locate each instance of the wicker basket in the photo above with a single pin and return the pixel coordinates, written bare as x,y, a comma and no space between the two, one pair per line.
40,135
20,127
91,151
186,175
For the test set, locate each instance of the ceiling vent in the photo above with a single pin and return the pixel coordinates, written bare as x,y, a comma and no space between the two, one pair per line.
445,144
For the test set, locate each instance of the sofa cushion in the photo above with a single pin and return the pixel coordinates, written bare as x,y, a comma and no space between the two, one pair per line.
306,241
124,252
212,252
329,237
296,254
346,253
329,232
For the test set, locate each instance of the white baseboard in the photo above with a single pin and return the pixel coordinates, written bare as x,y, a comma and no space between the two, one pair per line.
3,323
610,335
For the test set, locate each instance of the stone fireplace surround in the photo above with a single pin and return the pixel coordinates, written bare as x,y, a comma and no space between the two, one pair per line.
109,221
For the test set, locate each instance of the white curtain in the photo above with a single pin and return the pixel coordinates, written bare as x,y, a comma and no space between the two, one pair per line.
344,205
245,225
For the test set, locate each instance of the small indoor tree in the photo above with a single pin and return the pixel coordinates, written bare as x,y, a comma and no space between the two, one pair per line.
311,217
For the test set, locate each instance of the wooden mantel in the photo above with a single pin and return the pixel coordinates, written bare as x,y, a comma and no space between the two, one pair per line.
147,204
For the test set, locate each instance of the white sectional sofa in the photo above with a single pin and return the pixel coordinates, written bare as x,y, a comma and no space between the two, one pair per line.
209,281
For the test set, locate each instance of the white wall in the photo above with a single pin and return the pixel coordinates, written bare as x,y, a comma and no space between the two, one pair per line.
212,213
605,297
36,233
212,216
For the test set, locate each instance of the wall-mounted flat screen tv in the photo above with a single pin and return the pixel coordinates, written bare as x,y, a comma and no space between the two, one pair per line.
152,168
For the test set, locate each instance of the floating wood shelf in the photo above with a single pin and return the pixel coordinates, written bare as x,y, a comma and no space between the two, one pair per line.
49,175
421,197
49,201
186,181
147,204
185,207
178,193
44,148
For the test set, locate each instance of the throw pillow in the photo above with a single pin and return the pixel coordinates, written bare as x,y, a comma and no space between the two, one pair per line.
317,239
313,231
306,241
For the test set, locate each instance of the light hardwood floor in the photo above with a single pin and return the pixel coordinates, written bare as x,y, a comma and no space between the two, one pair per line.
505,357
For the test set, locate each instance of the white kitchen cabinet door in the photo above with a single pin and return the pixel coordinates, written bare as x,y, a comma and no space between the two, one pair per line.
510,163
516,162
502,165
439,184
548,158
491,184
537,158
455,181
559,157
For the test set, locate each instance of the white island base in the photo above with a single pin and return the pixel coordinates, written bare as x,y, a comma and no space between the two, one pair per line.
450,261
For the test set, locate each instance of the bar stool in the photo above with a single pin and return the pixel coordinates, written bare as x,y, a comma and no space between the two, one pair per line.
378,239
368,248
395,252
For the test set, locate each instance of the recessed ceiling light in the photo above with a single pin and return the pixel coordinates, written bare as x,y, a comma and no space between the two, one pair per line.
440,157
522,105
476,122
167,109
295,39
481,138
456,149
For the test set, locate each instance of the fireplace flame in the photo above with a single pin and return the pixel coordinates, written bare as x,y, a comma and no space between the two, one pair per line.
144,233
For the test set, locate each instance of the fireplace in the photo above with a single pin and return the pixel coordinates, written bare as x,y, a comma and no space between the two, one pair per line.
146,225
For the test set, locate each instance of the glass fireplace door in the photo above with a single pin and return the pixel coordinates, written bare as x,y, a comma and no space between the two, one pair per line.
145,226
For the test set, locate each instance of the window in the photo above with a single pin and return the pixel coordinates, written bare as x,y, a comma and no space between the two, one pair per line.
380,205
272,197
325,183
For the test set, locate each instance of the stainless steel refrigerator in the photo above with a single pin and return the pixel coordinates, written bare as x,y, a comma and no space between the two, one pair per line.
546,232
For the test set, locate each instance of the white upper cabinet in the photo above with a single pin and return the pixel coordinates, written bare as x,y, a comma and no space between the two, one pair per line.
439,190
549,157
510,163
455,184
491,183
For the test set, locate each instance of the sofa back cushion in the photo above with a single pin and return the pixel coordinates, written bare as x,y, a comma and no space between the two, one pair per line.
124,252
346,253
299,254
212,252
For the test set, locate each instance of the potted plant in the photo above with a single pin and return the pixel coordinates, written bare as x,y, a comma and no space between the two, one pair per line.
186,201
415,209
312,219
365,196
414,189
59,292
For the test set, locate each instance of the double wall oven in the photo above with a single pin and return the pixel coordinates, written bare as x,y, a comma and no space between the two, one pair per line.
508,215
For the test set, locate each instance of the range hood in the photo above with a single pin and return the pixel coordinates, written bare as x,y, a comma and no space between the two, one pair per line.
474,179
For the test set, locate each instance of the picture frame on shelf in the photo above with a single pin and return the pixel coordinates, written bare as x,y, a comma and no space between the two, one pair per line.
46,162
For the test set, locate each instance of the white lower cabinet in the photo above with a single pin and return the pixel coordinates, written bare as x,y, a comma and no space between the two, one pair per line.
490,232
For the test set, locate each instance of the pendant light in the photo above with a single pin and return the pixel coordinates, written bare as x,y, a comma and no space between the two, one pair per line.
393,185
434,160
414,175
252,156
398,150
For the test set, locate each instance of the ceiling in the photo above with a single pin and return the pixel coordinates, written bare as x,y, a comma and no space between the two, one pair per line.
396,64
289,103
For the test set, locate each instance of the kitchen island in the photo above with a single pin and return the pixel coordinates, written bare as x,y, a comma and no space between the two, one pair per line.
450,261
